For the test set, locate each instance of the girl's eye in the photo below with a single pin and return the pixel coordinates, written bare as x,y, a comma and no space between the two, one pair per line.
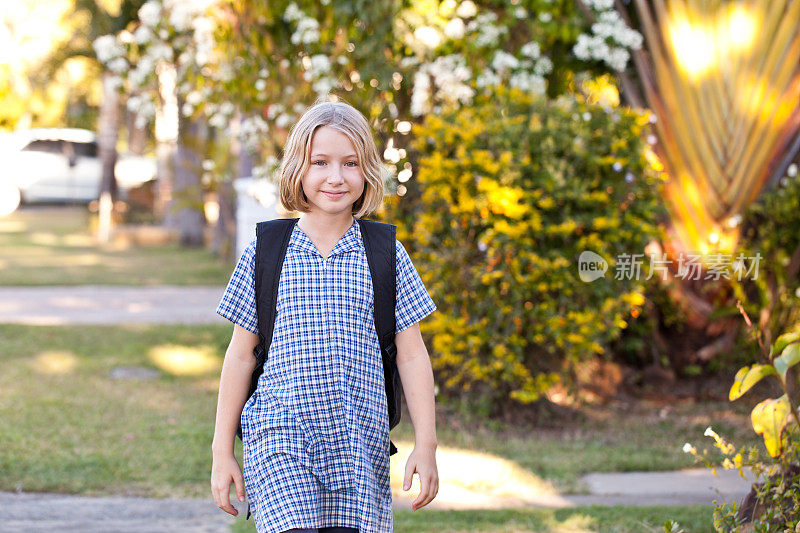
315,162
355,164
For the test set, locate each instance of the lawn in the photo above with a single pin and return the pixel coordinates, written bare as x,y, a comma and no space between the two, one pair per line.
68,426
51,245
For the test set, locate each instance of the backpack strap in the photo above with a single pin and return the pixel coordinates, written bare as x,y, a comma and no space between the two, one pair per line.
272,239
379,243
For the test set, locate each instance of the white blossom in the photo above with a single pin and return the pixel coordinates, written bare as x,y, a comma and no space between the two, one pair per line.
520,13
218,121
528,82
421,93
530,49
543,66
487,78
545,16
307,31
618,58
323,85
283,120
610,40
227,109
203,39
428,35
449,74
118,65
504,61
143,35
292,13
252,131
455,28
182,14
600,5
488,33
467,9
133,103
150,13
261,84
107,48
274,110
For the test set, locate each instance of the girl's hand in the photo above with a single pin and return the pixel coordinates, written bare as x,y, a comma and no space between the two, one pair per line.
422,461
224,470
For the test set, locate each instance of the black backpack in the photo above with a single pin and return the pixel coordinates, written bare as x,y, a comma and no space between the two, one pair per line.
272,239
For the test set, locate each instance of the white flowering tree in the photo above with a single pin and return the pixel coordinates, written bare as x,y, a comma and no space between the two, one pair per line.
251,68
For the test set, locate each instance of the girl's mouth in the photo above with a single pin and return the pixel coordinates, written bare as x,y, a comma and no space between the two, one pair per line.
333,195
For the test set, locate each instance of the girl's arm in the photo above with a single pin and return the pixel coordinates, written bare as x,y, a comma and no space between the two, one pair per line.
416,374
234,384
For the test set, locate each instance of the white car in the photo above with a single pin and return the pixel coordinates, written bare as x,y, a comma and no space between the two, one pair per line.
61,165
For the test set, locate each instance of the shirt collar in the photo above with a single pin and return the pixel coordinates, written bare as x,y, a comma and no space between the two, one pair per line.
351,240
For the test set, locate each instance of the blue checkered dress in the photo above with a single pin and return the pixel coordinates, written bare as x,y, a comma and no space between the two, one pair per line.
316,431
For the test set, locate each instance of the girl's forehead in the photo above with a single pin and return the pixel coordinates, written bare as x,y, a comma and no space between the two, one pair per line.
326,138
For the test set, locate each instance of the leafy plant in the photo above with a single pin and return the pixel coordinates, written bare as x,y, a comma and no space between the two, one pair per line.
510,192
774,503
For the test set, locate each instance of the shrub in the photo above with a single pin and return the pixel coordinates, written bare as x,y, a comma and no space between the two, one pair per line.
769,228
773,503
508,193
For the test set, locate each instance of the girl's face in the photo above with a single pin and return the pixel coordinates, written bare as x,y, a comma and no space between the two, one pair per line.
333,181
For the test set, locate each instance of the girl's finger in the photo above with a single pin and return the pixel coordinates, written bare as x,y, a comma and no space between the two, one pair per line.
225,502
410,468
239,482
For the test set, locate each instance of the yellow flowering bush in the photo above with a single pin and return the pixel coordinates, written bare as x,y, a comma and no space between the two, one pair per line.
508,192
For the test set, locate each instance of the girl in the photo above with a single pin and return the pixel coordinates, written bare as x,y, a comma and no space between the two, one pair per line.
315,433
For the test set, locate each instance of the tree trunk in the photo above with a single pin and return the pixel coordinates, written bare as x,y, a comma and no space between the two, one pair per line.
108,127
187,201
137,137
224,239
166,131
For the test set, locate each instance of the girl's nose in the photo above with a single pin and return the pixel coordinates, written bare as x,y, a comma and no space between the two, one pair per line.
335,175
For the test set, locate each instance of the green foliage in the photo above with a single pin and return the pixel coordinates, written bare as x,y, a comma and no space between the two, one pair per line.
509,192
769,228
774,503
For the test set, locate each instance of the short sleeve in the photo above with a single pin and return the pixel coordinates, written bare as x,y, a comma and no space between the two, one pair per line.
238,303
413,301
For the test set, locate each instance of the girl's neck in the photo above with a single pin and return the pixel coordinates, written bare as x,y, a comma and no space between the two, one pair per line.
323,224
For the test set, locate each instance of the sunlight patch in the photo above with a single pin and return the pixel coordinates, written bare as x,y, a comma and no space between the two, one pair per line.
46,239
184,360
54,362
474,480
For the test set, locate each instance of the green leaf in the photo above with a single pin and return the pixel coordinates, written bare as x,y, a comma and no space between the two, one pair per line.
748,376
769,418
789,358
785,340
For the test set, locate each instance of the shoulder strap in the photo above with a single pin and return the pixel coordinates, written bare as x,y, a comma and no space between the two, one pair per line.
379,243
272,239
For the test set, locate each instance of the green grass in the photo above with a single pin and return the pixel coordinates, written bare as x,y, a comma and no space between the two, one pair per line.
616,519
53,246
624,437
68,427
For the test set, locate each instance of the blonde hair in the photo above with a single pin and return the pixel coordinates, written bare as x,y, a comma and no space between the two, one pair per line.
297,154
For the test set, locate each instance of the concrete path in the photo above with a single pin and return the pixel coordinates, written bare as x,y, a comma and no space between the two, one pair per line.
31,512
110,304
37,513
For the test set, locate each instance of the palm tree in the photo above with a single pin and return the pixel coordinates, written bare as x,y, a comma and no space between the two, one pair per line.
723,79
